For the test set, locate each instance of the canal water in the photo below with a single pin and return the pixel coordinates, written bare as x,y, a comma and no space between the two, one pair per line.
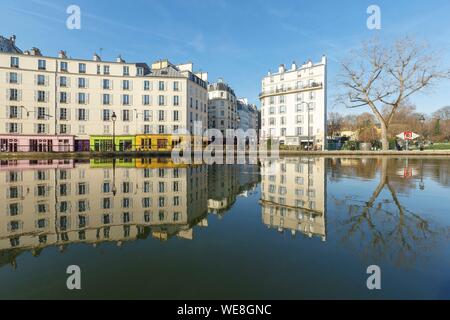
293,228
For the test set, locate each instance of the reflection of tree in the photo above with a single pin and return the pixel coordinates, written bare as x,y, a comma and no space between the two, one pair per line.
386,229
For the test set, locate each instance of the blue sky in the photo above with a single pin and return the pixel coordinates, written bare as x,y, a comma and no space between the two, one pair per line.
237,40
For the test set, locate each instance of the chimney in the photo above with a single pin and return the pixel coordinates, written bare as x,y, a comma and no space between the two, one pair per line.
96,57
62,54
35,52
281,69
294,66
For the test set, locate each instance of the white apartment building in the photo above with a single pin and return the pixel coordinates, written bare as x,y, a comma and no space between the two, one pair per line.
63,104
293,196
222,107
294,105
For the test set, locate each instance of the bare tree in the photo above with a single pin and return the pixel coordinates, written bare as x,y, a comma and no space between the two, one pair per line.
335,123
385,76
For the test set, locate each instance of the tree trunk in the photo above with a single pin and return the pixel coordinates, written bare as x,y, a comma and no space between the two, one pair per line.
384,139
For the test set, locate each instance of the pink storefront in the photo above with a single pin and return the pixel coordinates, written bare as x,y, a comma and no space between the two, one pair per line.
36,143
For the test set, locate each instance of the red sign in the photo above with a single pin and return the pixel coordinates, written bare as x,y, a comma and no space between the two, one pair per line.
408,135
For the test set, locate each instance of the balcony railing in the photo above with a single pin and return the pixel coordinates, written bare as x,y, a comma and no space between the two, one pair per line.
314,85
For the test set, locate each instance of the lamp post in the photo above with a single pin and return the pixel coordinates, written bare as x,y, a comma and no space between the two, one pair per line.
114,119
422,122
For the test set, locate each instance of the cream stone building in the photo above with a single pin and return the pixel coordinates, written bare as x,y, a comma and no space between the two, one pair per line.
293,196
55,203
222,107
294,105
61,103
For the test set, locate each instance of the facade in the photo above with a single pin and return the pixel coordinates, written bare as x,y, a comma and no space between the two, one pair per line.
52,96
249,116
57,202
293,196
222,107
294,105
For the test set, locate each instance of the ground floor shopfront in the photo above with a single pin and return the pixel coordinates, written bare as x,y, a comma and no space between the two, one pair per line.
108,143
36,143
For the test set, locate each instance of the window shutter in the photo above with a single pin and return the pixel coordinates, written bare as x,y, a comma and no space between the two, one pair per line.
7,112
68,132
35,80
131,84
7,77
35,128
19,127
68,81
87,114
47,80
87,82
87,98
19,78
68,97
131,99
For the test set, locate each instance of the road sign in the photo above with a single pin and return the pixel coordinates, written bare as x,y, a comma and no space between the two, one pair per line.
408,136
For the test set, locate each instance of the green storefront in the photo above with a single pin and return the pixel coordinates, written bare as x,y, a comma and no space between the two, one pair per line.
105,143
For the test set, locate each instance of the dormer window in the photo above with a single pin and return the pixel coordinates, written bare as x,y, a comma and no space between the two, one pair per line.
140,71
82,68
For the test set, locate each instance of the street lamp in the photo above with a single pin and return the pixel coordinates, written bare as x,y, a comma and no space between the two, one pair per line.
422,122
114,119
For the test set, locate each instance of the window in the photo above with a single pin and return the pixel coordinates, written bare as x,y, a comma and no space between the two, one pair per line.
41,113
161,115
82,68
13,77
147,115
63,66
300,108
82,115
125,115
13,128
161,129
176,116
125,99
63,114
105,69
140,71
299,119
13,95
176,100
161,100
282,109
146,100
82,188
82,83
13,209
147,129
176,86
146,85
126,85
81,98
161,86
13,112
63,128
126,70
106,114
106,187
63,82
106,99
41,128
42,64
63,97
14,62
106,84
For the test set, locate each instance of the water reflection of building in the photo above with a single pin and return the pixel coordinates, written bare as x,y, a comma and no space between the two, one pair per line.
226,182
59,202
293,195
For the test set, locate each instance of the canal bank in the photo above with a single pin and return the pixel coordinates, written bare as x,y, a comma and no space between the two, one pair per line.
88,155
